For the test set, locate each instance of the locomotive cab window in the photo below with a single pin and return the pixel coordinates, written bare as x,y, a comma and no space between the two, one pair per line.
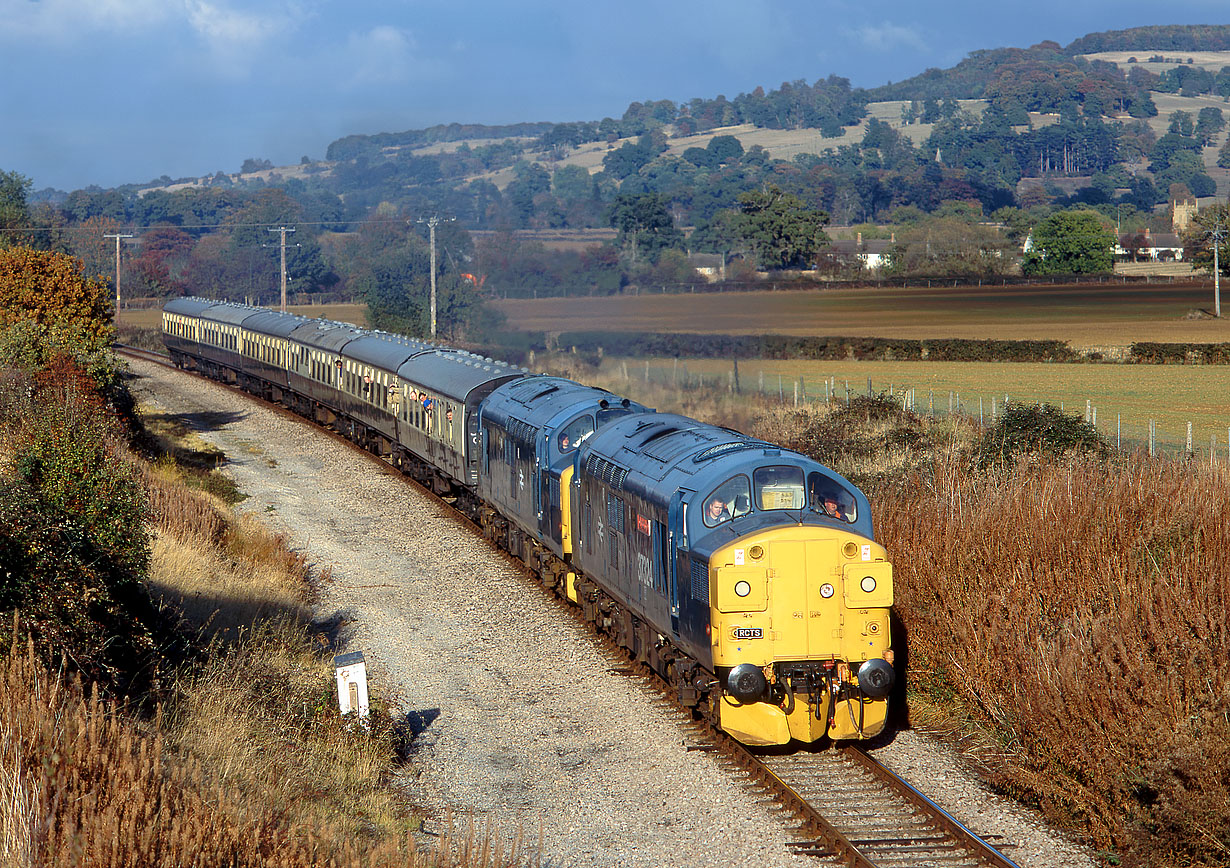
779,487
574,433
829,497
729,500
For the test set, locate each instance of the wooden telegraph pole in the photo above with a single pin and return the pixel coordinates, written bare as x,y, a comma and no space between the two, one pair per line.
118,236
1218,235
432,222
282,230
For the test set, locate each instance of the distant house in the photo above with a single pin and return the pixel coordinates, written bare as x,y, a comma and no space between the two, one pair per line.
1149,246
872,254
710,266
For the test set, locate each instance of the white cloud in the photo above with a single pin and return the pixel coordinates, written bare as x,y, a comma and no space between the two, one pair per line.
381,55
228,29
63,21
888,36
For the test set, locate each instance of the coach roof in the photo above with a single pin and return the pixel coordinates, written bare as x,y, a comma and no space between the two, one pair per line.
455,373
271,322
384,351
323,334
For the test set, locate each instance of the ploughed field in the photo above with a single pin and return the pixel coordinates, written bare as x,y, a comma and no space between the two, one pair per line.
1112,314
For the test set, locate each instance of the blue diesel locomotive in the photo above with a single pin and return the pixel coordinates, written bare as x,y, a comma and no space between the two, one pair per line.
746,575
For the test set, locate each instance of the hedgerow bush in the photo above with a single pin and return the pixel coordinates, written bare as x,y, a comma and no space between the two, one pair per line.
1148,352
72,527
1038,429
805,347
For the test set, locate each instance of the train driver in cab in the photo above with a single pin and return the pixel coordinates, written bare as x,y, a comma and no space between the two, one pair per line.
729,500
576,433
827,498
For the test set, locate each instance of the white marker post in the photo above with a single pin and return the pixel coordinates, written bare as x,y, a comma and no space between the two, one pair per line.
352,684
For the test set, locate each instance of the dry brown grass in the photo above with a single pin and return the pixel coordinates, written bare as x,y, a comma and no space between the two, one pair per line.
1077,612
82,784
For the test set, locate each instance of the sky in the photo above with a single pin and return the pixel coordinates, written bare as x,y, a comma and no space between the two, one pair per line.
109,92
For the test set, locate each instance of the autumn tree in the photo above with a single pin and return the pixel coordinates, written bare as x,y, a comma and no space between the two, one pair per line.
50,292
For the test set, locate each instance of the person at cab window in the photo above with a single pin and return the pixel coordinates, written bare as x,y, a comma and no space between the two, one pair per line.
715,511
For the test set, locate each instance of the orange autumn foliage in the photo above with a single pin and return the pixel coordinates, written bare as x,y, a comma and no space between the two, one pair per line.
51,290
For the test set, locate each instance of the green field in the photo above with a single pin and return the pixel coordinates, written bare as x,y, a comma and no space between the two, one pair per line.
1129,395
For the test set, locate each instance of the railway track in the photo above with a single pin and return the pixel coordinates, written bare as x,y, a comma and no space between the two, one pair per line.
846,807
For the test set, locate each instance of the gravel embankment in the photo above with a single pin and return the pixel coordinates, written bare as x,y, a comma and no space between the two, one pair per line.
519,720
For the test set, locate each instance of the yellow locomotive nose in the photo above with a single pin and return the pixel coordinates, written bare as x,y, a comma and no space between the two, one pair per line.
800,635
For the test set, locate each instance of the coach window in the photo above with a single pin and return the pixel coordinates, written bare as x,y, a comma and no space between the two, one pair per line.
779,487
729,500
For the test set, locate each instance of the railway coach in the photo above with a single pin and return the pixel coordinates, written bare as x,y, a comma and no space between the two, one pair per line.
414,403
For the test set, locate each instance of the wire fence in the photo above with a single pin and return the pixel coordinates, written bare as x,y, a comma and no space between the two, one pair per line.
1165,438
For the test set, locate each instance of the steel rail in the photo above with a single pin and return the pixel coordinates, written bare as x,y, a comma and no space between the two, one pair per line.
913,795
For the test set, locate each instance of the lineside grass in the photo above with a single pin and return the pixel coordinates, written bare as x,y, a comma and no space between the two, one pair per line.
1076,612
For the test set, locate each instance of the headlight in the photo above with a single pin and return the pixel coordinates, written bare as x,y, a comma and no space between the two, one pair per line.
868,584
742,588
826,590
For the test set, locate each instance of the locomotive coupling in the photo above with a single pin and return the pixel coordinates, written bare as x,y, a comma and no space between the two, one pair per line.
746,683
875,678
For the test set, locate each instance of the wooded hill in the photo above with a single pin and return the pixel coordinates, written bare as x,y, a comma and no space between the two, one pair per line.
968,133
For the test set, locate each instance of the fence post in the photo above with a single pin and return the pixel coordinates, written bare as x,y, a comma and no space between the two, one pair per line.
1094,418
1212,449
950,402
646,370
979,411
1087,405
992,409
781,396
1189,439
796,394
931,401
803,390
1152,435
1118,432
869,387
